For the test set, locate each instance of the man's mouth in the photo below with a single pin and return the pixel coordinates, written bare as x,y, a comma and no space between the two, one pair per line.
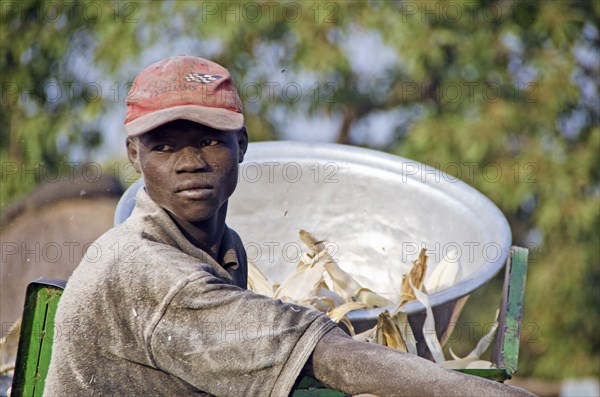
195,194
194,190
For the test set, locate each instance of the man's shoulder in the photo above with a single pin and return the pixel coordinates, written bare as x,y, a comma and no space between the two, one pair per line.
123,266
127,248
133,253
122,243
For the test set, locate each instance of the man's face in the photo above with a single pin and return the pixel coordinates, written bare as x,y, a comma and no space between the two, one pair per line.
189,169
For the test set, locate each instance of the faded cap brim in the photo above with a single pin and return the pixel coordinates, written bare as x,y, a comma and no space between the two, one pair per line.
217,118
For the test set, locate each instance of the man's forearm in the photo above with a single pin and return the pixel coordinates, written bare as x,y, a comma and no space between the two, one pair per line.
355,367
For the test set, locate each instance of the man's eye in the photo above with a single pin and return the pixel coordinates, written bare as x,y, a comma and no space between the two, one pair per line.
209,142
164,148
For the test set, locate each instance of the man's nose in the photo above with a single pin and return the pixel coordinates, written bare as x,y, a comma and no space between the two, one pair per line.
190,160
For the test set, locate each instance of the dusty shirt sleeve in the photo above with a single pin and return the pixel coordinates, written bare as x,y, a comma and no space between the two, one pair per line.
228,341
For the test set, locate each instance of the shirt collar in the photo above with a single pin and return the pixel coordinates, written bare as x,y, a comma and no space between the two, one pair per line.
228,255
157,225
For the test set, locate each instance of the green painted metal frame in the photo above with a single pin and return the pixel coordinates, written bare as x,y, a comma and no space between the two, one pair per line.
505,352
35,340
42,297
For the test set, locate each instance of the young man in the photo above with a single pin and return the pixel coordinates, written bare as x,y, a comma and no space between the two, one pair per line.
161,307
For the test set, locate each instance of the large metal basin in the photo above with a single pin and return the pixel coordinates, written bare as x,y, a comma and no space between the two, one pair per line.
376,211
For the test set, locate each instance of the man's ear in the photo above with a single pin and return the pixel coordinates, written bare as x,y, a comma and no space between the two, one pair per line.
133,153
242,136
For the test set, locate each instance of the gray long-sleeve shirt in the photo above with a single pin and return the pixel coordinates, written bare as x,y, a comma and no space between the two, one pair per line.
147,313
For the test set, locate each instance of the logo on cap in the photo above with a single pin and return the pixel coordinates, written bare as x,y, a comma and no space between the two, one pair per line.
202,78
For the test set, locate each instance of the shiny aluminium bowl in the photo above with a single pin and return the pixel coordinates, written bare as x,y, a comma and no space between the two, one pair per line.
375,210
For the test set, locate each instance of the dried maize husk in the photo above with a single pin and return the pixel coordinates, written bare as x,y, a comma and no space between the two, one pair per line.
401,320
466,362
321,303
485,342
348,325
325,292
311,242
472,360
258,281
340,312
445,274
458,364
480,364
9,345
415,276
388,334
343,283
304,283
319,282
365,336
371,298
429,333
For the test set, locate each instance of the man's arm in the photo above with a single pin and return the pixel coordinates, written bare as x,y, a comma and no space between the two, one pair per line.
354,367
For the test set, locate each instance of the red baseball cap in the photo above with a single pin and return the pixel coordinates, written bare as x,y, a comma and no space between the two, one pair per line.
183,87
